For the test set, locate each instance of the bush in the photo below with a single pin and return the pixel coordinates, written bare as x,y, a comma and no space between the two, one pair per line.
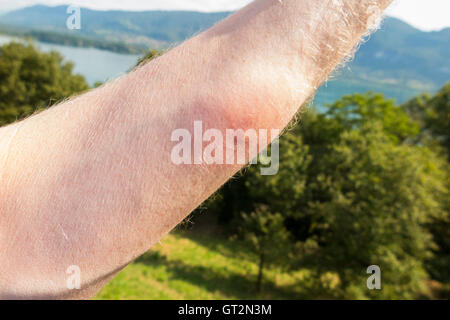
31,80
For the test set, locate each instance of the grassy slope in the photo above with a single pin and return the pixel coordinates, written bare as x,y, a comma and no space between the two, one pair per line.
208,267
200,267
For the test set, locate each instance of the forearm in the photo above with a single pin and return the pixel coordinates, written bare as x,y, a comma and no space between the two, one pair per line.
91,182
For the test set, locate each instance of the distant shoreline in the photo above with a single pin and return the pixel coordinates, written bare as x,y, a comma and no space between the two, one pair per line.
96,65
72,40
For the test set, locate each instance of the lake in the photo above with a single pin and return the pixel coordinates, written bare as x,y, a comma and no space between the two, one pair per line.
94,64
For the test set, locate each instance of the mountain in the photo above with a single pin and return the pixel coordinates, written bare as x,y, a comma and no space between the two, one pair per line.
398,60
163,27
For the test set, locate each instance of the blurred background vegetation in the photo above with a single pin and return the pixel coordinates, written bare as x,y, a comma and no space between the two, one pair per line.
362,181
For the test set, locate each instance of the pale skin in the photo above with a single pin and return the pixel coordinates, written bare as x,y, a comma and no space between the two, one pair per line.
90,182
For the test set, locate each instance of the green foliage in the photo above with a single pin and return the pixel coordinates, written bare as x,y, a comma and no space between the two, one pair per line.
152,54
433,114
264,231
437,117
439,264
368,205
267,237
31,80
354,189
356,111
283,191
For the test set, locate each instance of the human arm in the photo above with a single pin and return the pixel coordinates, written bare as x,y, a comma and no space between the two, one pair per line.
90,182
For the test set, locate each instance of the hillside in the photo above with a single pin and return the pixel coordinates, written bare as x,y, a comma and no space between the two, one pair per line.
398,60
188,266
146,27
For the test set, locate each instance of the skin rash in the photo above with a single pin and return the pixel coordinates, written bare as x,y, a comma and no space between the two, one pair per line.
90,182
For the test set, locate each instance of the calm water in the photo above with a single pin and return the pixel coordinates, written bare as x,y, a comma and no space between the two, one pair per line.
94,64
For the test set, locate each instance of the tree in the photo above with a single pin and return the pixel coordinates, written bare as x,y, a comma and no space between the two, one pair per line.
31,80
433,114
438,117
355,190
355,111
267,237
369,204
369,193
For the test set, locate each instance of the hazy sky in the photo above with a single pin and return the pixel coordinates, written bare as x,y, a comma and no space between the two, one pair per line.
423,14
